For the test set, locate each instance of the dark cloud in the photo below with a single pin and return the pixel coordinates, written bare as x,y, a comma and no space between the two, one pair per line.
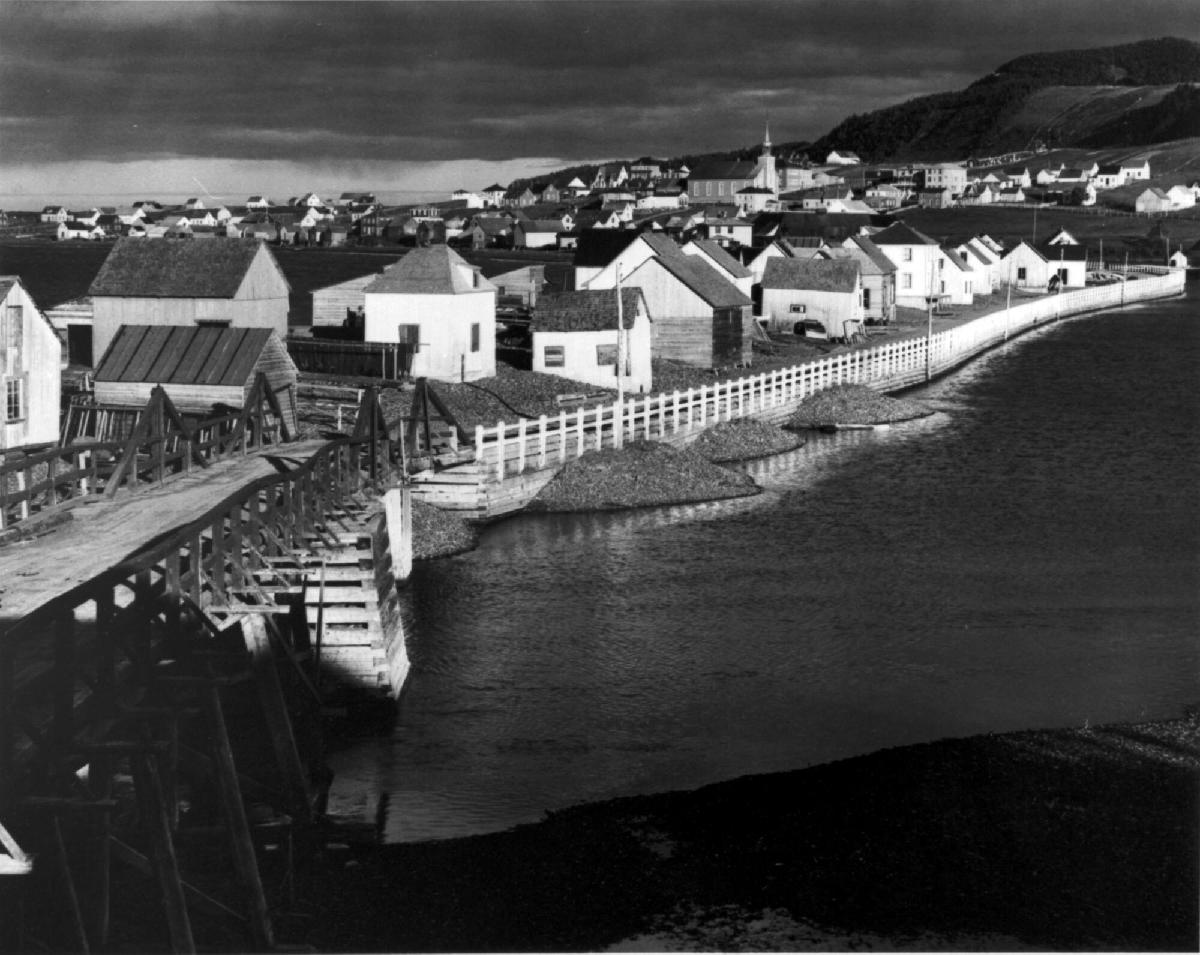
497,80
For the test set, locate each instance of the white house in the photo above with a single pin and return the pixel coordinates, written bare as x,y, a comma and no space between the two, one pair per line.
1132,170
1153,200
916,257
537,233
54,214
842,157
30,369
472,199
984,263
946,175
730,232
575,335
1068,263
1026,267
829,291
1181,197
1109,177
433,299
878,277
72,229
956,283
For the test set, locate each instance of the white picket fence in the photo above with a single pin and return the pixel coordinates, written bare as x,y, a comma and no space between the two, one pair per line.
530,444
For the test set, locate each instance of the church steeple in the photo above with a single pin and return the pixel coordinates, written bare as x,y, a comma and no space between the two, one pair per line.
766,175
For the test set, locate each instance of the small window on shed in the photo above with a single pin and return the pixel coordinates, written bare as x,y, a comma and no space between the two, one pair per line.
555,356
798,309
474,336
606,354
408,334
1021,274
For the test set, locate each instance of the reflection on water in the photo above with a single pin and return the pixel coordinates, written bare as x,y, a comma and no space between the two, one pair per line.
1024,557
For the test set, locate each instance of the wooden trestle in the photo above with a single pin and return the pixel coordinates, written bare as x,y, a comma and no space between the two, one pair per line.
117,699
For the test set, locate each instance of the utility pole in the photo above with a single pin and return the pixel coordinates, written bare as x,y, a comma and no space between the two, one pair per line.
619,421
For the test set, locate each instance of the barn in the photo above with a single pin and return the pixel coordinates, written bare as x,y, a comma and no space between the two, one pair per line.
198,368
220,282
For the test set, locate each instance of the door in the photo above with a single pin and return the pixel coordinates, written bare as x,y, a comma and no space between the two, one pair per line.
79,345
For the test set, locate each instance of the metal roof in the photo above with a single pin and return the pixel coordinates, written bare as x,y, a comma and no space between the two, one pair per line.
183,354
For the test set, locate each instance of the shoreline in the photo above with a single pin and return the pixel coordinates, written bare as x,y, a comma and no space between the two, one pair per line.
1063,839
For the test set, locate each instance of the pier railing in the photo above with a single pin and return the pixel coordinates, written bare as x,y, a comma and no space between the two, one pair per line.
105,671
507,449
161,445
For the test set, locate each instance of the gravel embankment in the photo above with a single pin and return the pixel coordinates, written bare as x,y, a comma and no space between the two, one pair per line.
1058,840
743,440
642,474
853,404
438,533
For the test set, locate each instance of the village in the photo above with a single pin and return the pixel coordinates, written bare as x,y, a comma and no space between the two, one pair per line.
721,267
246,486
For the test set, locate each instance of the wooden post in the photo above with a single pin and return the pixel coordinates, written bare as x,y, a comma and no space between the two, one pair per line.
64,864
64,682
397,509
542,441
520,445
279,723
245,862
562,436
166,867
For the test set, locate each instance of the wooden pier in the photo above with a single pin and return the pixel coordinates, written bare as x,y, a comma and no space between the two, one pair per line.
162,688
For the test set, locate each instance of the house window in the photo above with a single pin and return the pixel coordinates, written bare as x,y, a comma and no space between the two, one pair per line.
14,409
554,356
474,336
1021,274
866,298
606,354
908,255
798,309
408,334
906,280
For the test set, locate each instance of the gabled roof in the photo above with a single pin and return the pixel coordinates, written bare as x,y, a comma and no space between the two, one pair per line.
1064,253
724,169
1024,244
900,234
1109,171
496,187
494,225
716,290
212,269
435,269
183,354
819,275
722,258
598,247
541,225
957,259
585,311
872,260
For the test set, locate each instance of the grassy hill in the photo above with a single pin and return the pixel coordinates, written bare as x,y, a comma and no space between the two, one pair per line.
1123,95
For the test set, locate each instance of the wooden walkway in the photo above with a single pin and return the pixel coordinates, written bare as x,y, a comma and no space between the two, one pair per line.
101,534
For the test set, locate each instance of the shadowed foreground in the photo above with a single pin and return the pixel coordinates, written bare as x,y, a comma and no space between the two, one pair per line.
1069,839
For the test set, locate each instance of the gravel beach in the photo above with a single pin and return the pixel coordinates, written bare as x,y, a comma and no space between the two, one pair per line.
641,474
852,405
1067,840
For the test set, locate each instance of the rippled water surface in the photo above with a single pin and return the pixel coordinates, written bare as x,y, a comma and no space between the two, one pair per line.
1026,557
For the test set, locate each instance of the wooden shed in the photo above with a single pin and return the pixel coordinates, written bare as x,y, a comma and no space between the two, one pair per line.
197,367
232,282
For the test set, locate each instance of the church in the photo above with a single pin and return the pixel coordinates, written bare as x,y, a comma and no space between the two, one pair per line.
722,180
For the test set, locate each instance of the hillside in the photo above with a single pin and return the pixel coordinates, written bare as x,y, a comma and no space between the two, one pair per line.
1133,94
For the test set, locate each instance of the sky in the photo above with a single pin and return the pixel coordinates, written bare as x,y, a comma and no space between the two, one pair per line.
148,99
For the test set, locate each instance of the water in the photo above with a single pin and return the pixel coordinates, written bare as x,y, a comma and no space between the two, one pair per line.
1026,557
